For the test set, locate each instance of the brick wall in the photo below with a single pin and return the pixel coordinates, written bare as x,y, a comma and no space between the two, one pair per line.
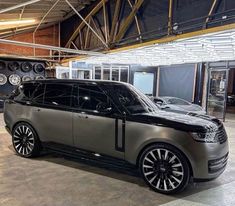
48,36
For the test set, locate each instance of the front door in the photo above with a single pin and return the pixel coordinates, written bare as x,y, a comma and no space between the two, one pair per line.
92,130
217,92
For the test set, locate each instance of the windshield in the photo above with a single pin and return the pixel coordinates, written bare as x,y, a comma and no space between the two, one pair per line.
133,100
177,101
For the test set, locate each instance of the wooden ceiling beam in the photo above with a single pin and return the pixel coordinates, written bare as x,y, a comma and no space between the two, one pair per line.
127,22
82,24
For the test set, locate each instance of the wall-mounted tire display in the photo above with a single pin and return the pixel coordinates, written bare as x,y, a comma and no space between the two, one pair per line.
26,67
38,77
13,66
2,65
26,78
14,79
3,79
39,68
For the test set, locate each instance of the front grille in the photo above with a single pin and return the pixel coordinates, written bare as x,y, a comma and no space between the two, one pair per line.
217,164
221,136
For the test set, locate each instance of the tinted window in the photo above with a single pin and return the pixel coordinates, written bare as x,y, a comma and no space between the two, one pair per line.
90,97
128,99
39,94
58,94
25,92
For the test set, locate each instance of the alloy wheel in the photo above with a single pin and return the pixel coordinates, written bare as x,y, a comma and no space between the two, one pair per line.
23,140
162,169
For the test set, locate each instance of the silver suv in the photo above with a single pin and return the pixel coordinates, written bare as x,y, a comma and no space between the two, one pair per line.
114,119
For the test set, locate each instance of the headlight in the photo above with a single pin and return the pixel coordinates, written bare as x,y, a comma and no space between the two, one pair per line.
209,137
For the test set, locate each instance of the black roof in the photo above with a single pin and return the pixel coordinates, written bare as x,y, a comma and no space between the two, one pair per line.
86,81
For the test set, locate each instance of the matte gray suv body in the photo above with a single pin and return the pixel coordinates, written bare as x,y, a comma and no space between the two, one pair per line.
114,119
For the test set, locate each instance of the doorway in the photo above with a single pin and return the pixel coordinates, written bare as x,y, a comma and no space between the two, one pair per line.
230,105
217,92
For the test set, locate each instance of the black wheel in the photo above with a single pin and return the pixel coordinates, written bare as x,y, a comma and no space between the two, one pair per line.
13,66
26,67
25,140
164,168
39,68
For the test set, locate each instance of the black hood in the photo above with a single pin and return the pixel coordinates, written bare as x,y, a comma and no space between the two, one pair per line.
186,122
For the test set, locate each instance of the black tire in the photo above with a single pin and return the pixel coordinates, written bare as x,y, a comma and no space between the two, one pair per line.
160,172
25,140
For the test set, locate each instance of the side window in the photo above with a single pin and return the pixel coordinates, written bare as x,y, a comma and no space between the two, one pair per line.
90,97
39,94
25,92
58,94
127,99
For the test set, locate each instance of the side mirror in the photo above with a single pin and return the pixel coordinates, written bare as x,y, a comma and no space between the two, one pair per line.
104,108
164,107
158,102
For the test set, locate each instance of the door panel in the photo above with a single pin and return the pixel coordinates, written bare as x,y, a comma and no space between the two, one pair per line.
53,125
96,133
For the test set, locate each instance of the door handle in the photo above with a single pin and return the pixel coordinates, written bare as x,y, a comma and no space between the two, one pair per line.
38,110
83,116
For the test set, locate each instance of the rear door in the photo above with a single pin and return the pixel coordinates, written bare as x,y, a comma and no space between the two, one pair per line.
52,113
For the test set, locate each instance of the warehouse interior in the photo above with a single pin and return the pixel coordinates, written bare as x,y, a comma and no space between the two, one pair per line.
167,48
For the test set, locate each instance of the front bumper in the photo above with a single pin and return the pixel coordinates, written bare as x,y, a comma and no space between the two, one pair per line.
208,160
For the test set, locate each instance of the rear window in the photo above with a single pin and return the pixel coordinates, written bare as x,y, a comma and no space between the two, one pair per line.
24,92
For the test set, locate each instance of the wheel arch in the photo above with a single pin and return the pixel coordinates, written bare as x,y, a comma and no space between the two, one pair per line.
166,143
24,121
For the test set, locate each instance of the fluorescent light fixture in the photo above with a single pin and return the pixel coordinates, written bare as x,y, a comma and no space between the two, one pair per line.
26,21
18,6
210,47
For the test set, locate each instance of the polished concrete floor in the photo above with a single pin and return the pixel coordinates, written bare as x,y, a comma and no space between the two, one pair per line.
55,180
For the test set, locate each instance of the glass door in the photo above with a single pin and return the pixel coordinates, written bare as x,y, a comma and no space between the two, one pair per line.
217,92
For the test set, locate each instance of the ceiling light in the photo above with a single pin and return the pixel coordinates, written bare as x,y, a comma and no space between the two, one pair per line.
26,21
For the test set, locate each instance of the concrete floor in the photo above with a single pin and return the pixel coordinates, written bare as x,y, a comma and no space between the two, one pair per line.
53,180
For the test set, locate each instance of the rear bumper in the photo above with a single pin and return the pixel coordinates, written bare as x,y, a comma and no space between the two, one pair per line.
8,129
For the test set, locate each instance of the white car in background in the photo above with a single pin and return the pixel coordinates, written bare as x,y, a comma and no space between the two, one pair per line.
178,105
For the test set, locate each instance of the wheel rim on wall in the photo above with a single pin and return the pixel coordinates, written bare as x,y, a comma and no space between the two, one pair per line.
26,78
14,79
39,68
3,79
13,66
38,77
23,140
2,65
163,170
26,67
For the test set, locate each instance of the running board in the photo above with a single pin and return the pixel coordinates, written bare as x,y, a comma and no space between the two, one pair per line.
90,157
